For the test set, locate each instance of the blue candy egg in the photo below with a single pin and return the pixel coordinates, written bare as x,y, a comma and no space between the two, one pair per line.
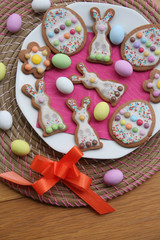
117,34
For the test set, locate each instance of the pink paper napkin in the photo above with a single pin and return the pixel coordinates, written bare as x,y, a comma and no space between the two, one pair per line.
134,88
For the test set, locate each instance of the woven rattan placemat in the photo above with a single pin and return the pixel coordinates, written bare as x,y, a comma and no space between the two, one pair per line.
137,167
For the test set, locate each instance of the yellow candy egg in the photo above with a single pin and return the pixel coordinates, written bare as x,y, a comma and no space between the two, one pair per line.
20,147
158,84
101,111
78,28
2,71
36,59
122,122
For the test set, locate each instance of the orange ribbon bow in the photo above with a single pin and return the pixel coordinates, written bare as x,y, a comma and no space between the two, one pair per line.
66,171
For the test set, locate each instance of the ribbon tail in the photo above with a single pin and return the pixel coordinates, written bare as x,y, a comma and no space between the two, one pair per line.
44,184
93,200
15,178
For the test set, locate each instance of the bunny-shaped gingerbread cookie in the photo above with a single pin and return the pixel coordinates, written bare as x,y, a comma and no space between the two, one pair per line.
109,90
86,137
100,50
49,119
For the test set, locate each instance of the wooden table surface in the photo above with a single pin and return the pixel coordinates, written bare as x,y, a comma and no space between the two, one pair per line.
137,217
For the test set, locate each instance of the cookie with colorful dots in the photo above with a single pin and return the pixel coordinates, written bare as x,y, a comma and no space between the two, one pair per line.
35,60
141,47
152,86
63,30
132,123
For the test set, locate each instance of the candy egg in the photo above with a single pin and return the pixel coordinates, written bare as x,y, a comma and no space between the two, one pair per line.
20,147
61,61
113,177
64,85
117,34
101,111
5,120
14,23
2,71
123,68
40,5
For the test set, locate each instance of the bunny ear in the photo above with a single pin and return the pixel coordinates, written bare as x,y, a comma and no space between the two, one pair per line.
71,103
28,90
82,68
95,13
109,14
40,86
86,102
75,79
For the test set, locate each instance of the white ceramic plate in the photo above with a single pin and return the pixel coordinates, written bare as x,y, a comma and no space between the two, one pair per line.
63,142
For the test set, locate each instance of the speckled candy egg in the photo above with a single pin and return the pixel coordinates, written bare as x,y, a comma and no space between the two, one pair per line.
41,5
123,68
2,71
14,23
5,120
20,147
101,111
113,177
64,85
117,34
61,61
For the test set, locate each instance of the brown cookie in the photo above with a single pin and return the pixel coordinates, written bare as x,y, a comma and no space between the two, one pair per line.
86,137
109,90
63,30
141,47
152,86
35,60
100,50
132,123
50,121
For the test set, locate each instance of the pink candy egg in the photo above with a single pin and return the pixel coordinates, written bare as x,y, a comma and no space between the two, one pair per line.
14,23
123,68
113,177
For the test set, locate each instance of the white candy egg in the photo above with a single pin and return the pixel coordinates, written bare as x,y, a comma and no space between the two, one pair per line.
64,85
40,5
5,120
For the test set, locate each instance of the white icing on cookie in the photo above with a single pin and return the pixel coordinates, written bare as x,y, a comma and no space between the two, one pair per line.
135,127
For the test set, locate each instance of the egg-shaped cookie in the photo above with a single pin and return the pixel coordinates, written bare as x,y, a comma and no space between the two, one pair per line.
63,30
141,47
132,123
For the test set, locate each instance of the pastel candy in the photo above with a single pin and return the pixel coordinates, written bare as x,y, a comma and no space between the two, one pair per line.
2,71
117,34
14,23
64,85
101,111
61,61
113,177
40,5
123,68
20,147
5,120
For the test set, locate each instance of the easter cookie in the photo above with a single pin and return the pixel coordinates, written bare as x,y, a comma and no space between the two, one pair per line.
63,30
132,123
141,47
35,60
100,50
50,120
153,86
109,90
86,137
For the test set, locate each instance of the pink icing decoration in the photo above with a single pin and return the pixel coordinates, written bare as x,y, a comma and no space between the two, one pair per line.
41,99
142,132
122,111
74,20
134,91
101,27
61,39
149,85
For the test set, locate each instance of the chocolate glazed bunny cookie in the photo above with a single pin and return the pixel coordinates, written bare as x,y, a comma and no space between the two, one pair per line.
109,90
100,50
49,119
86,137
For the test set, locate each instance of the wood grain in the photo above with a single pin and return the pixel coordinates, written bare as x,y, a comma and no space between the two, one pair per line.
137,217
